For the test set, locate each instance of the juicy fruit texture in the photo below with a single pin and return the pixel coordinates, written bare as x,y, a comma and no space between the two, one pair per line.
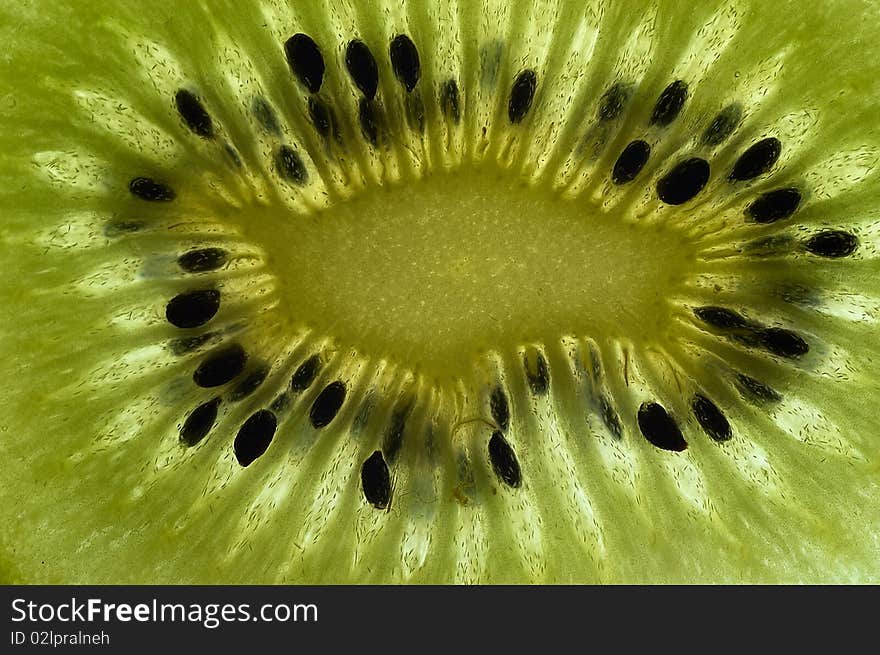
440,292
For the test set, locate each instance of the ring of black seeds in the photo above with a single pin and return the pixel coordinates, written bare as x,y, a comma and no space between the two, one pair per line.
679,184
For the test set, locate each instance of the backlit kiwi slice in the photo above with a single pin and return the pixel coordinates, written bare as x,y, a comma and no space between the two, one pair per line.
538,291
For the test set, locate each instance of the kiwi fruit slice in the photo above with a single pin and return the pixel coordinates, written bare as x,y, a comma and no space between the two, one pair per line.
531,292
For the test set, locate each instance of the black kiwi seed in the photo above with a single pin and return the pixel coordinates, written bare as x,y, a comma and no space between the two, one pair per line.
659,428
723,125
721,317
832,243
199,422
290,165
202,260
368,117
521,95
151,190
504,461
362,67
783,343
327,404
774,205
249,384
684,181
613,101
756,391
449,100
305,374
194,113
193,308
711,418
321,116
630,162
394,435
756,160
669,103
537,375
376,481
265,115
405,61
220,366
500,408
254,436
305,61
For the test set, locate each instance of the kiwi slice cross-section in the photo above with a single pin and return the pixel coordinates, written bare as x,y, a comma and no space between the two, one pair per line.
453,291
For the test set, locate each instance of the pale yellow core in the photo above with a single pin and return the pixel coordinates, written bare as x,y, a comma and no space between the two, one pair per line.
433,272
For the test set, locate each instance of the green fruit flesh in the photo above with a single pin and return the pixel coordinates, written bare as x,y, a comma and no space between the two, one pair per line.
568,292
